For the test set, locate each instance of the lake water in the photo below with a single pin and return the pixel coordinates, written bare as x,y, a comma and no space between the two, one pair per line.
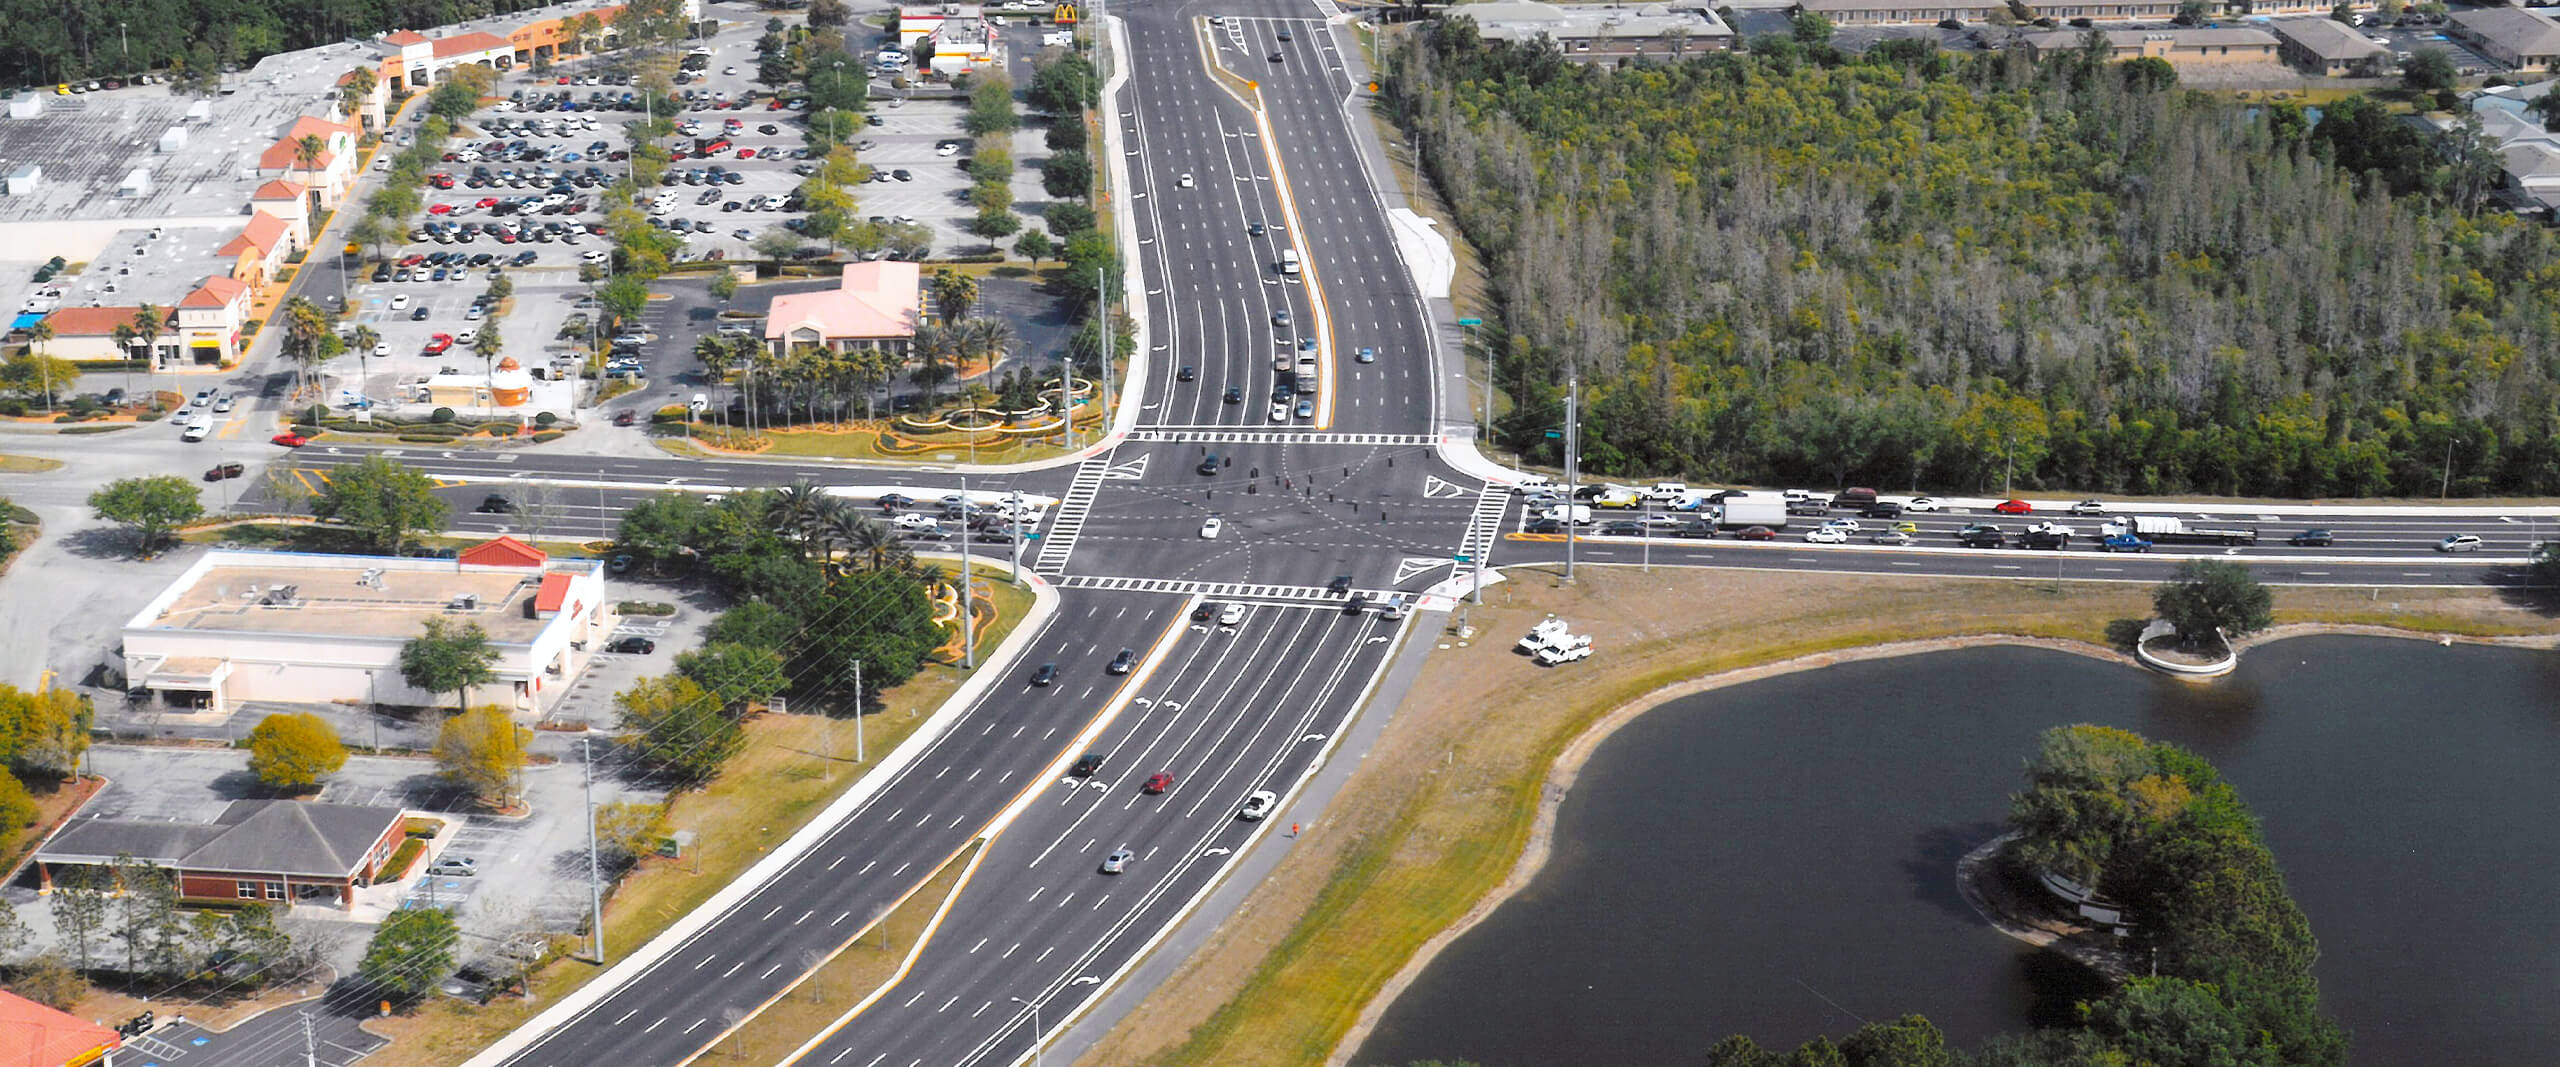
1778,859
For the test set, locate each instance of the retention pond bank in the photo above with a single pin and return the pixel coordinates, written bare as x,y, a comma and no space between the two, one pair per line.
1778,858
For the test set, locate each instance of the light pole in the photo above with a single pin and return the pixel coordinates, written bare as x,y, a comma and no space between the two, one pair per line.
968,632
1572,488
2446,486
1037,1059
125,41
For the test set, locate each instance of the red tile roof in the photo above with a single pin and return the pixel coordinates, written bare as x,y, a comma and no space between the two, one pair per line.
215,292
90,322
280,189
31,1033
465,43
404,38
504,551
262,235
280,155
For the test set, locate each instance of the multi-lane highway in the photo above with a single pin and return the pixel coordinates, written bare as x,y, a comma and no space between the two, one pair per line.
1306,414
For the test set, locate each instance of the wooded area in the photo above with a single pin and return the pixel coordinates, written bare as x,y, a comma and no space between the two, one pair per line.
1919,269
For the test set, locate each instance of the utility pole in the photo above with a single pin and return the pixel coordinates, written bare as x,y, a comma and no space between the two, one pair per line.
2446,486
858,706
1102,318
968,632
595,885
310,1043
1572,481
1016,522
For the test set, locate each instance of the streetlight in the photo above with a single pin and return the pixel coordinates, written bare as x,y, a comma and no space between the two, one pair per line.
1038,1059
127,42
2446,486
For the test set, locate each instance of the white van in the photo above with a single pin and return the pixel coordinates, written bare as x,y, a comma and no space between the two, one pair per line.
1289,261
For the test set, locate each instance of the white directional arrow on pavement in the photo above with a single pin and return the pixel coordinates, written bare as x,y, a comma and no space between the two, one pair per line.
1218,852
1086,980
1436,487
1132,471
1413,565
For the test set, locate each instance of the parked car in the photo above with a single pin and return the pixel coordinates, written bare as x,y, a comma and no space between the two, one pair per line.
454,867
636,646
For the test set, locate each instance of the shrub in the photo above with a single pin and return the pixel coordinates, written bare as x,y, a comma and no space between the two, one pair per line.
502,429
424,439
13,408
442,415
548,435
644,607
316,413
546,418
146,416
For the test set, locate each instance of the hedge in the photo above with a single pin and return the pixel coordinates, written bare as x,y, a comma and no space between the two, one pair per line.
548,435
644,607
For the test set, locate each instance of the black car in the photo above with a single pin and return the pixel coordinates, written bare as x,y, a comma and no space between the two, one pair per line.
1255,229
1234,394
419,315
1358,604
1208,464
2312,539
1882,509
902,175
1187,373
1340,584
496,504
1087,765
1207,610
1544,526
896,500
1283,393
1047,673
1622,528
634,645
1121,663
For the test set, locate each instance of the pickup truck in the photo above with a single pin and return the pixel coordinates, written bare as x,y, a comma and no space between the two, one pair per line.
2124,543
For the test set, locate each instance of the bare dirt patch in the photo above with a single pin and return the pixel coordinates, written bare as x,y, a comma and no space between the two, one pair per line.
1449,803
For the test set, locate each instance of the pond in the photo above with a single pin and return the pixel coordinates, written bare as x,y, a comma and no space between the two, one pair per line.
1777,859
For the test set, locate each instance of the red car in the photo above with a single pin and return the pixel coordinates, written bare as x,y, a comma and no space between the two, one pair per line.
440,209
1757,533
2013,507
1159,782
441,181
438,343
734,125
486,202
412,259
746,153
774,105
289,439
721,145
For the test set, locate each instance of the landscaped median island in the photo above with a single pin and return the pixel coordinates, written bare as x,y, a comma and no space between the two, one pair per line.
1449,813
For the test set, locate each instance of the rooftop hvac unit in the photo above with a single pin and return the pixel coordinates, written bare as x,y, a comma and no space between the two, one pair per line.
464,602
173,139
137,182
26,107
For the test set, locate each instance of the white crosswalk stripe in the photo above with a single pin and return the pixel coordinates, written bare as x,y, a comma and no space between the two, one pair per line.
1061,538
1215,590
1281,437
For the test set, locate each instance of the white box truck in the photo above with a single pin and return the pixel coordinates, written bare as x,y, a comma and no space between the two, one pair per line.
1752,509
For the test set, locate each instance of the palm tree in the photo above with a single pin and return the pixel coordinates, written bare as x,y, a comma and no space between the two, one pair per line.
874,540
37,334
932,348
147,322
487,346
363,339
988,339
124,334
795,508
307,152
954,294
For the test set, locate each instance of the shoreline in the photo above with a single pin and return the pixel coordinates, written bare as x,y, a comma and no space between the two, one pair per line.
1567,767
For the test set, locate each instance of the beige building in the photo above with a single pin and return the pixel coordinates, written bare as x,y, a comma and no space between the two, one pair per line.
2181,47
1890,12
2111,10
306,629
2517,38
2330,48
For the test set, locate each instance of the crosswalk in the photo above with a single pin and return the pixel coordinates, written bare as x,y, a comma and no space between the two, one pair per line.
315,480
1486,524
1215,590
1208,436
1069,522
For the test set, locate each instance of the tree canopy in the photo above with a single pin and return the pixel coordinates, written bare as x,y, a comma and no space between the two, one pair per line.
387,500
150,506
1860,257
449,658
483,750
294,750
410,952
2211,600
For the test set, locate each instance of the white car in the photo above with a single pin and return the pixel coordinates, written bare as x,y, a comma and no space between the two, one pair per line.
1184,181
914,521
1209,529
594,255
1578,648
197,432
222,404
951,148
1233,615
2089,507
1257,805
1924,503
1828,535
382,349
2455,543
1846,526
400,302
2054,528
1279,411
